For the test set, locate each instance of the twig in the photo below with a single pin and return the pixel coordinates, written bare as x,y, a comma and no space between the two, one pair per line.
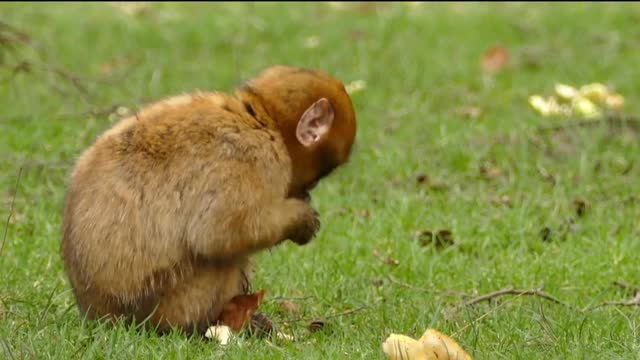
334,315
491,311
512,291
408,286
623,285
634,302
293,298
610,120
13,198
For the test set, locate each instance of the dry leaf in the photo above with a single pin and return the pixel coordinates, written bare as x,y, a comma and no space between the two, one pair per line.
441,239
489,171
131,8
434,184
546,234
470,112
581,207
316,326
391,261
113,65
364,213
503,200
261,325
240,309
495,60
288,307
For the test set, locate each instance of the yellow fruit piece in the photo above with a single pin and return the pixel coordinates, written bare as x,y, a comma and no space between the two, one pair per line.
539,104
615,101
442,346
585,107
595,92
400,347
432,345
566,92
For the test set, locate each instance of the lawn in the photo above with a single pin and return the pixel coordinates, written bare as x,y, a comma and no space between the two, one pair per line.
442,147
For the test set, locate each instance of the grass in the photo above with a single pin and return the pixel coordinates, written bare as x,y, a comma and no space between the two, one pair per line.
421,66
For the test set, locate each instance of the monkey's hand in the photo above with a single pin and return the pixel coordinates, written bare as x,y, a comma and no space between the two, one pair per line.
307,226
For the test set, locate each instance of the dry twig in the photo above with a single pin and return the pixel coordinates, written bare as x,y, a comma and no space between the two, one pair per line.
634,302
13,198
610,120
334,315
512,291
625,286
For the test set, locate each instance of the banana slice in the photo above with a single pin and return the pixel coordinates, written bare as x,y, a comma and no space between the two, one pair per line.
432,345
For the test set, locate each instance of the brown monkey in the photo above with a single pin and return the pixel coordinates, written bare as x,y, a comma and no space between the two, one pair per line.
164,211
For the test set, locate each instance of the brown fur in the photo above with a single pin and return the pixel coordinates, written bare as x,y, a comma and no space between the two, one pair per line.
165,210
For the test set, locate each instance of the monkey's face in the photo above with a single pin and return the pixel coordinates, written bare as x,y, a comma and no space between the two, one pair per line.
316,119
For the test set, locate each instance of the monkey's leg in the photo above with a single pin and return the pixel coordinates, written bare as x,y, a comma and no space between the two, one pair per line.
195,302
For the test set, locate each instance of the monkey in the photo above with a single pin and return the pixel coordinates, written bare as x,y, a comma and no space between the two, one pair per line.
166,210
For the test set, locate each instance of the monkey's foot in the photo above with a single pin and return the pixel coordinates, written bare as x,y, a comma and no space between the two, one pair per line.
262,326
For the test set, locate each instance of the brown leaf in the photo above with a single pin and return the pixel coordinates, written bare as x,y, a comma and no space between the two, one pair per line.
580,206
113,65
490,172
261,325
237,313
434,184
288,307
364,213
445,237
357,34
546,234
503,200
440,239
392,127
425,237
391,261
494,60
316,326
469,112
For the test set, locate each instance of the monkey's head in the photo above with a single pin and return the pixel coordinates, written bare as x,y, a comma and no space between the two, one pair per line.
314,115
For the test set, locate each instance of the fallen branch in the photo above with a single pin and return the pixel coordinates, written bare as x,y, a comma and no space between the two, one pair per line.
634,302
611,120
334,315
13,198
623,285
512,291
283,298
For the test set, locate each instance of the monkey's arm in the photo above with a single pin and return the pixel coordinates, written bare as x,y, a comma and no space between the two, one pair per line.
249,213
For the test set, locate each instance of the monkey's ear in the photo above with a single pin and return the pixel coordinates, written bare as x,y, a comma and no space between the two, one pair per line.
315,122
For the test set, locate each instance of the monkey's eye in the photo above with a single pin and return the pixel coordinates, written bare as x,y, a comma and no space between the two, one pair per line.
249,109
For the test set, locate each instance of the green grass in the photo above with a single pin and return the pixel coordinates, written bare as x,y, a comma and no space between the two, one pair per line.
421,65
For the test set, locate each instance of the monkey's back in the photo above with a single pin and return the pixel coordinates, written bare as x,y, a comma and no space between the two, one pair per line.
154,185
